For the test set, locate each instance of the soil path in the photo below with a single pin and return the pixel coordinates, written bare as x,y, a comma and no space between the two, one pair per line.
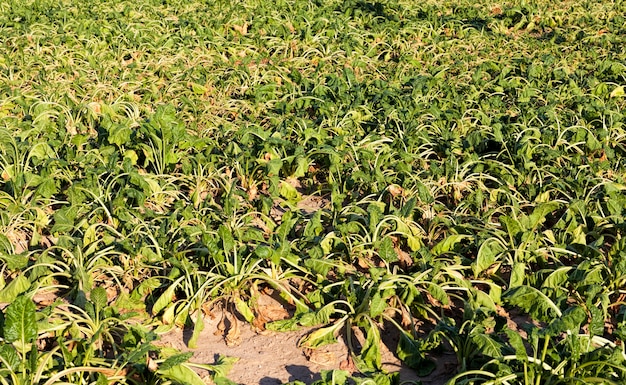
273,358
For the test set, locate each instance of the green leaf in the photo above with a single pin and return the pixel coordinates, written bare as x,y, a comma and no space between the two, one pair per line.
263,252
513,226
557,278
228,242
197,329
618,92
164,300
175,360
181,374
481,299
516,341
386,251
449,244
488,254
533,301
119,134
244,309
99,298
20,324
437,293
596,325
569,322
518,274
289,192
274,166
334,377
539,214
486,344
370,351
378,304
283,325
223,381
10,356
320,337
16,287
410,352
222,366
102,379
16,261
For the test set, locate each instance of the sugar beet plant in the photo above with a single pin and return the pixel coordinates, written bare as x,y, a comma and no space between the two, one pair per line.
452,171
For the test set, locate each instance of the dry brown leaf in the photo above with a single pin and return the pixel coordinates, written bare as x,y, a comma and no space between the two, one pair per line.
396,190
253,192
242,29
363,263
403,257
293,181
348,364
321,357
233,336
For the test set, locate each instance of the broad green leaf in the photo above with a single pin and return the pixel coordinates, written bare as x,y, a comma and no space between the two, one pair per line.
370,351
596,325
557,278
102,379
320,337
283,325
181,374
414,242
314,225
99,298
618,92
175,360
533,301
222,366
119,133
318,266
437,293
334,377
539,214
569,322
16,261
274,166
20,324
386,251
19,285
164,300
378,304
289,192
10,356
197,329
228,242
487,345
513,226
263,252
410,352
90,235
244,309
449,244
488,253
219,380
482,299
516,341
518,274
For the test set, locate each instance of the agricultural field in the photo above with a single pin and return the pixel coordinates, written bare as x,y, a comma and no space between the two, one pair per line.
451,173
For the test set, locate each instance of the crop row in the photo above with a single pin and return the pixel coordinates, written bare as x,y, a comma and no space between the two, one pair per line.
452,170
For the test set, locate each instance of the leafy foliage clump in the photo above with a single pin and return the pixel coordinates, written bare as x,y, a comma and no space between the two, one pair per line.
452,171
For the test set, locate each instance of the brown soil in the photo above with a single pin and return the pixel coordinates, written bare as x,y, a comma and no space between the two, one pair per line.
271,358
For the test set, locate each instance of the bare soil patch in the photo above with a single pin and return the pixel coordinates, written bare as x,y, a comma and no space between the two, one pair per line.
273,358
